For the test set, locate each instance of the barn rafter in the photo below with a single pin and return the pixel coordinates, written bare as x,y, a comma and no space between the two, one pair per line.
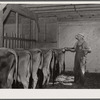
20,10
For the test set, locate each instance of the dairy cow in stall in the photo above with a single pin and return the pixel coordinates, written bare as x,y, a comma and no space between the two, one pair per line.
36,71
53,64
24,67
57,66
8,67
47,62
60,60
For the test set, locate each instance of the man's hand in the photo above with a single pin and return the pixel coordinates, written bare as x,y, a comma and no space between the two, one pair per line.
67,49
87,50
64,49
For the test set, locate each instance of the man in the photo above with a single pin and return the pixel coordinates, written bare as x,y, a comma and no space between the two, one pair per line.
81,48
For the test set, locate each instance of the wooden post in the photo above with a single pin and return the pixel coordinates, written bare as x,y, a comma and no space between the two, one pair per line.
15,40
1,29
20,41
57,35
11,40
17,29
6,40
37,34
30,35
45,32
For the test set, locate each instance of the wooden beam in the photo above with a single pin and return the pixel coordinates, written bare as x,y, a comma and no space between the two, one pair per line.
87,5
2,6
66,8
30,29
1,29
45,31
41,5
68,14
17,25
79,19
6,13
36,32
60,5
23,11
56,14
52,8
57,35
37,23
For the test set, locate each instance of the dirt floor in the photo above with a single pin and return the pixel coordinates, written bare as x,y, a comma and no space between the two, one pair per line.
92,82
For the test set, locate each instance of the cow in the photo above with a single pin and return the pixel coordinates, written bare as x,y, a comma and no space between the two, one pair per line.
8,67
47,59
57,65
24,67
53,64
60,60
36,71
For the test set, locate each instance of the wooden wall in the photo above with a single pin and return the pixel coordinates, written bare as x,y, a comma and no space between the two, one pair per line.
47,37
24,29
10,24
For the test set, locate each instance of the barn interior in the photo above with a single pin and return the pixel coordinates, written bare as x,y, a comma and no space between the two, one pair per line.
52,26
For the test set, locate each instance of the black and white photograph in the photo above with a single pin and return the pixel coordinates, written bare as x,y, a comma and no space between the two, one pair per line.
49,46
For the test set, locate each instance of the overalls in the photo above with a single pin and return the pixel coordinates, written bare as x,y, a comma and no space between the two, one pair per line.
79,64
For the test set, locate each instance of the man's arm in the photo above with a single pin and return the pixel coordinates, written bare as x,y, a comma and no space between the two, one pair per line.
72,49
86,48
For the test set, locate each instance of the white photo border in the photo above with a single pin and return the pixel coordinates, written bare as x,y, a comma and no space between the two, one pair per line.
50,93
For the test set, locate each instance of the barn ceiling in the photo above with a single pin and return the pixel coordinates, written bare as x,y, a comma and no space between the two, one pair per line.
65,11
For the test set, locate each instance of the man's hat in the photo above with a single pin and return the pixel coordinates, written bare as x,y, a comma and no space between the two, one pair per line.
80,35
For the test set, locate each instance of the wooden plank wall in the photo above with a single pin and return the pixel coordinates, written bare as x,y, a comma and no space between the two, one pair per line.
18,32
47,38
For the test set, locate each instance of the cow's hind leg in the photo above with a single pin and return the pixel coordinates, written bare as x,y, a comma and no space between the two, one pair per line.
35,79
25,83
45,75
48,79
44,81
40,78
10,78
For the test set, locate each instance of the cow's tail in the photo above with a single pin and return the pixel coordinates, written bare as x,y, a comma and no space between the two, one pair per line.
64,52
53,59
30,63
52,67
30,69
40,72
16,64
41,60
64,63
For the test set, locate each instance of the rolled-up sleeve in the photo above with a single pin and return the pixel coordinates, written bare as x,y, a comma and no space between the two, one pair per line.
86,47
